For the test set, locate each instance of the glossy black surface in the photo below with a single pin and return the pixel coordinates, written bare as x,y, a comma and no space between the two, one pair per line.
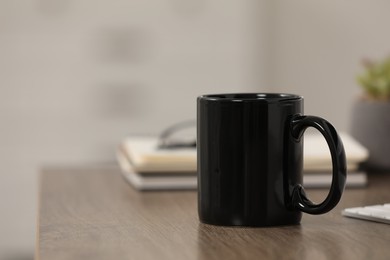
250,159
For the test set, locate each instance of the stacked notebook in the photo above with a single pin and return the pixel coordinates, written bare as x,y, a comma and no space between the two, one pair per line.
317,163
148,167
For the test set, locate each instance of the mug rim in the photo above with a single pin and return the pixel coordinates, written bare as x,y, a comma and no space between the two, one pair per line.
245,97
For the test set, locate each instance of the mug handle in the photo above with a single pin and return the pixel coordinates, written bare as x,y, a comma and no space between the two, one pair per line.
300,201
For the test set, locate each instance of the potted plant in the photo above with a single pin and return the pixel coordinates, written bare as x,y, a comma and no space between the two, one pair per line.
371,113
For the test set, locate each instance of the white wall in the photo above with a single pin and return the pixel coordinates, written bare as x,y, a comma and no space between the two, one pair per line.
78,76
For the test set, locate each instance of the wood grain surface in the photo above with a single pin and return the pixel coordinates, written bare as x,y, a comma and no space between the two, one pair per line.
92,213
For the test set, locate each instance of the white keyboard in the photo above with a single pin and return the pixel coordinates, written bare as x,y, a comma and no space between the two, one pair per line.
378,213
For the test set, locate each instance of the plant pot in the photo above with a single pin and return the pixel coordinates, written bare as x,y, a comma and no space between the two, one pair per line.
371,127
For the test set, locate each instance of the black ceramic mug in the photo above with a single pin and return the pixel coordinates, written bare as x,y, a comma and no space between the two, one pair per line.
250,159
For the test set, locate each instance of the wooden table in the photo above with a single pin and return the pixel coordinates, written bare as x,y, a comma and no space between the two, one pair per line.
94,214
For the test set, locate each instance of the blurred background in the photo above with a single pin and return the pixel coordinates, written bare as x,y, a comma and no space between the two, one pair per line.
78,76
